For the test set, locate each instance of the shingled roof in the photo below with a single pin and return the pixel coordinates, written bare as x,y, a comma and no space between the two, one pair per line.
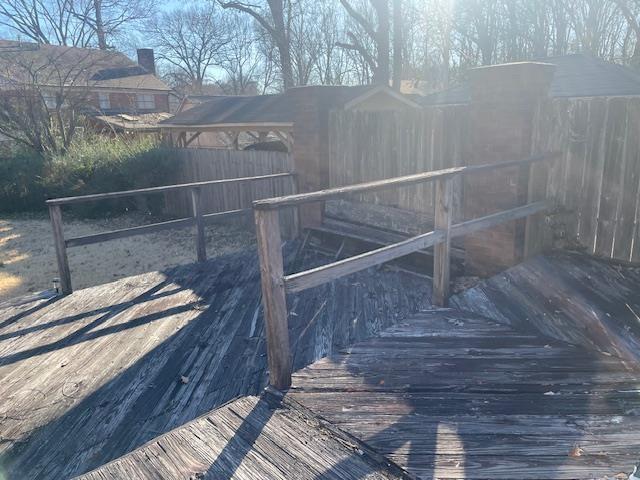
576,75
264,109
54,65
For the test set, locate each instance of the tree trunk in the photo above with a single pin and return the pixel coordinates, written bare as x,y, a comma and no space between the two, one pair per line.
282,41
381,76
397,45
102,40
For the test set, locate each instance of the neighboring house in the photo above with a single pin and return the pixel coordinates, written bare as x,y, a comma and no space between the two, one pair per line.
108,83
576,75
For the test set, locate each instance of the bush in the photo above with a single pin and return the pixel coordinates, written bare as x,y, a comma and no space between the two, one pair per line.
93,164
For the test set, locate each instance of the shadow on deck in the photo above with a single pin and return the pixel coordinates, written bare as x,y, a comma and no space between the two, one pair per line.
440,393
94,375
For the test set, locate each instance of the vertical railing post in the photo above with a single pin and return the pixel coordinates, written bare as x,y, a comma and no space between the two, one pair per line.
442,251
296,209
537,236
273,297
201,244
55,213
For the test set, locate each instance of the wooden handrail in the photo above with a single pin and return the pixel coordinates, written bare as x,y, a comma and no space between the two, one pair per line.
404,181
161,189
199,219
275,285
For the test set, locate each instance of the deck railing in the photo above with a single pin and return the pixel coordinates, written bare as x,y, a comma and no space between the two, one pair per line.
275,284
198,219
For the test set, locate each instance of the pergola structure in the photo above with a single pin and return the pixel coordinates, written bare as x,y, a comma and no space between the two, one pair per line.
183,135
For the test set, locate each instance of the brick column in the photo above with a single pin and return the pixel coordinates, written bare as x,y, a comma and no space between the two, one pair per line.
504,100
311,144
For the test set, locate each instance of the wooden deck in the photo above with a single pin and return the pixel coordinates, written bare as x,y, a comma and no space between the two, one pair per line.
573,297
454,395
253,438
90,377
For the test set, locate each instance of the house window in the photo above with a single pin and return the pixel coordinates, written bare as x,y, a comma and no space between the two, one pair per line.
49,100
104,101
145,101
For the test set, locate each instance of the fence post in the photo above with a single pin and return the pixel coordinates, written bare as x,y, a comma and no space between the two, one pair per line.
55,213
296,209
441,251
274,302
537,236
201,246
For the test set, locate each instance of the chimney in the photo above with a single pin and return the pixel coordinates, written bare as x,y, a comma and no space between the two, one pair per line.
146,59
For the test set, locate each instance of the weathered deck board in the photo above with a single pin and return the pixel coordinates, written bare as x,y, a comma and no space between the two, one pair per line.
448,394
572,297
252,438
91,376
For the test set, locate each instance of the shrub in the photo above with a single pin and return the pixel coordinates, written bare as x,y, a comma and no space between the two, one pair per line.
93,164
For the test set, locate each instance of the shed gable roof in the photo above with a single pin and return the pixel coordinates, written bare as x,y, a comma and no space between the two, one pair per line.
268,109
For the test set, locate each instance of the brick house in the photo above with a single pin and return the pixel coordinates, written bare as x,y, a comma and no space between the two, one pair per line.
108,83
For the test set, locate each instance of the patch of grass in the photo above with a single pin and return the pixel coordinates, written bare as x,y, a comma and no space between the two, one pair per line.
93,164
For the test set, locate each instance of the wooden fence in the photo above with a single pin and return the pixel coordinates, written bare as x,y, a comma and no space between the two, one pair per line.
599,178
204,164
597,182
366,146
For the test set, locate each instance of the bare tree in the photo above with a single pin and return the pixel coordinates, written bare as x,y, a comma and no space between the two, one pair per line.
43,99
79,23
627,8
191,40
377,32
240,58
272,19
107,18
45,21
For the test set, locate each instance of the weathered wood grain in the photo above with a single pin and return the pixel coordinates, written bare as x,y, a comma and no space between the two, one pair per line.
253,438
571,297
55,214
450,394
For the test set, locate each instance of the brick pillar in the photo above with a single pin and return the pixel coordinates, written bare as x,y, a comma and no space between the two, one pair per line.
311,145
504,100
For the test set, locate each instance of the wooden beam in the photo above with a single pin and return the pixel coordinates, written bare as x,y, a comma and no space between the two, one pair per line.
152,228
129,232
442,251
201,244
273,297
388,183
470,226
162,189
192,138
317,276
326,273
538,235
55,213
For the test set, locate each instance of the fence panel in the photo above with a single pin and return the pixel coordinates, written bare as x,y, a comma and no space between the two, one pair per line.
366,146
596,182
203,164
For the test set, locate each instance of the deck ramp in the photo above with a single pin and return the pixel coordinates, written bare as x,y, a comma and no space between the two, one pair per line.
569,296
453,395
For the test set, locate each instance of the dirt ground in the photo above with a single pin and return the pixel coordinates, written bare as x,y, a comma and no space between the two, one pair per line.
28,262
